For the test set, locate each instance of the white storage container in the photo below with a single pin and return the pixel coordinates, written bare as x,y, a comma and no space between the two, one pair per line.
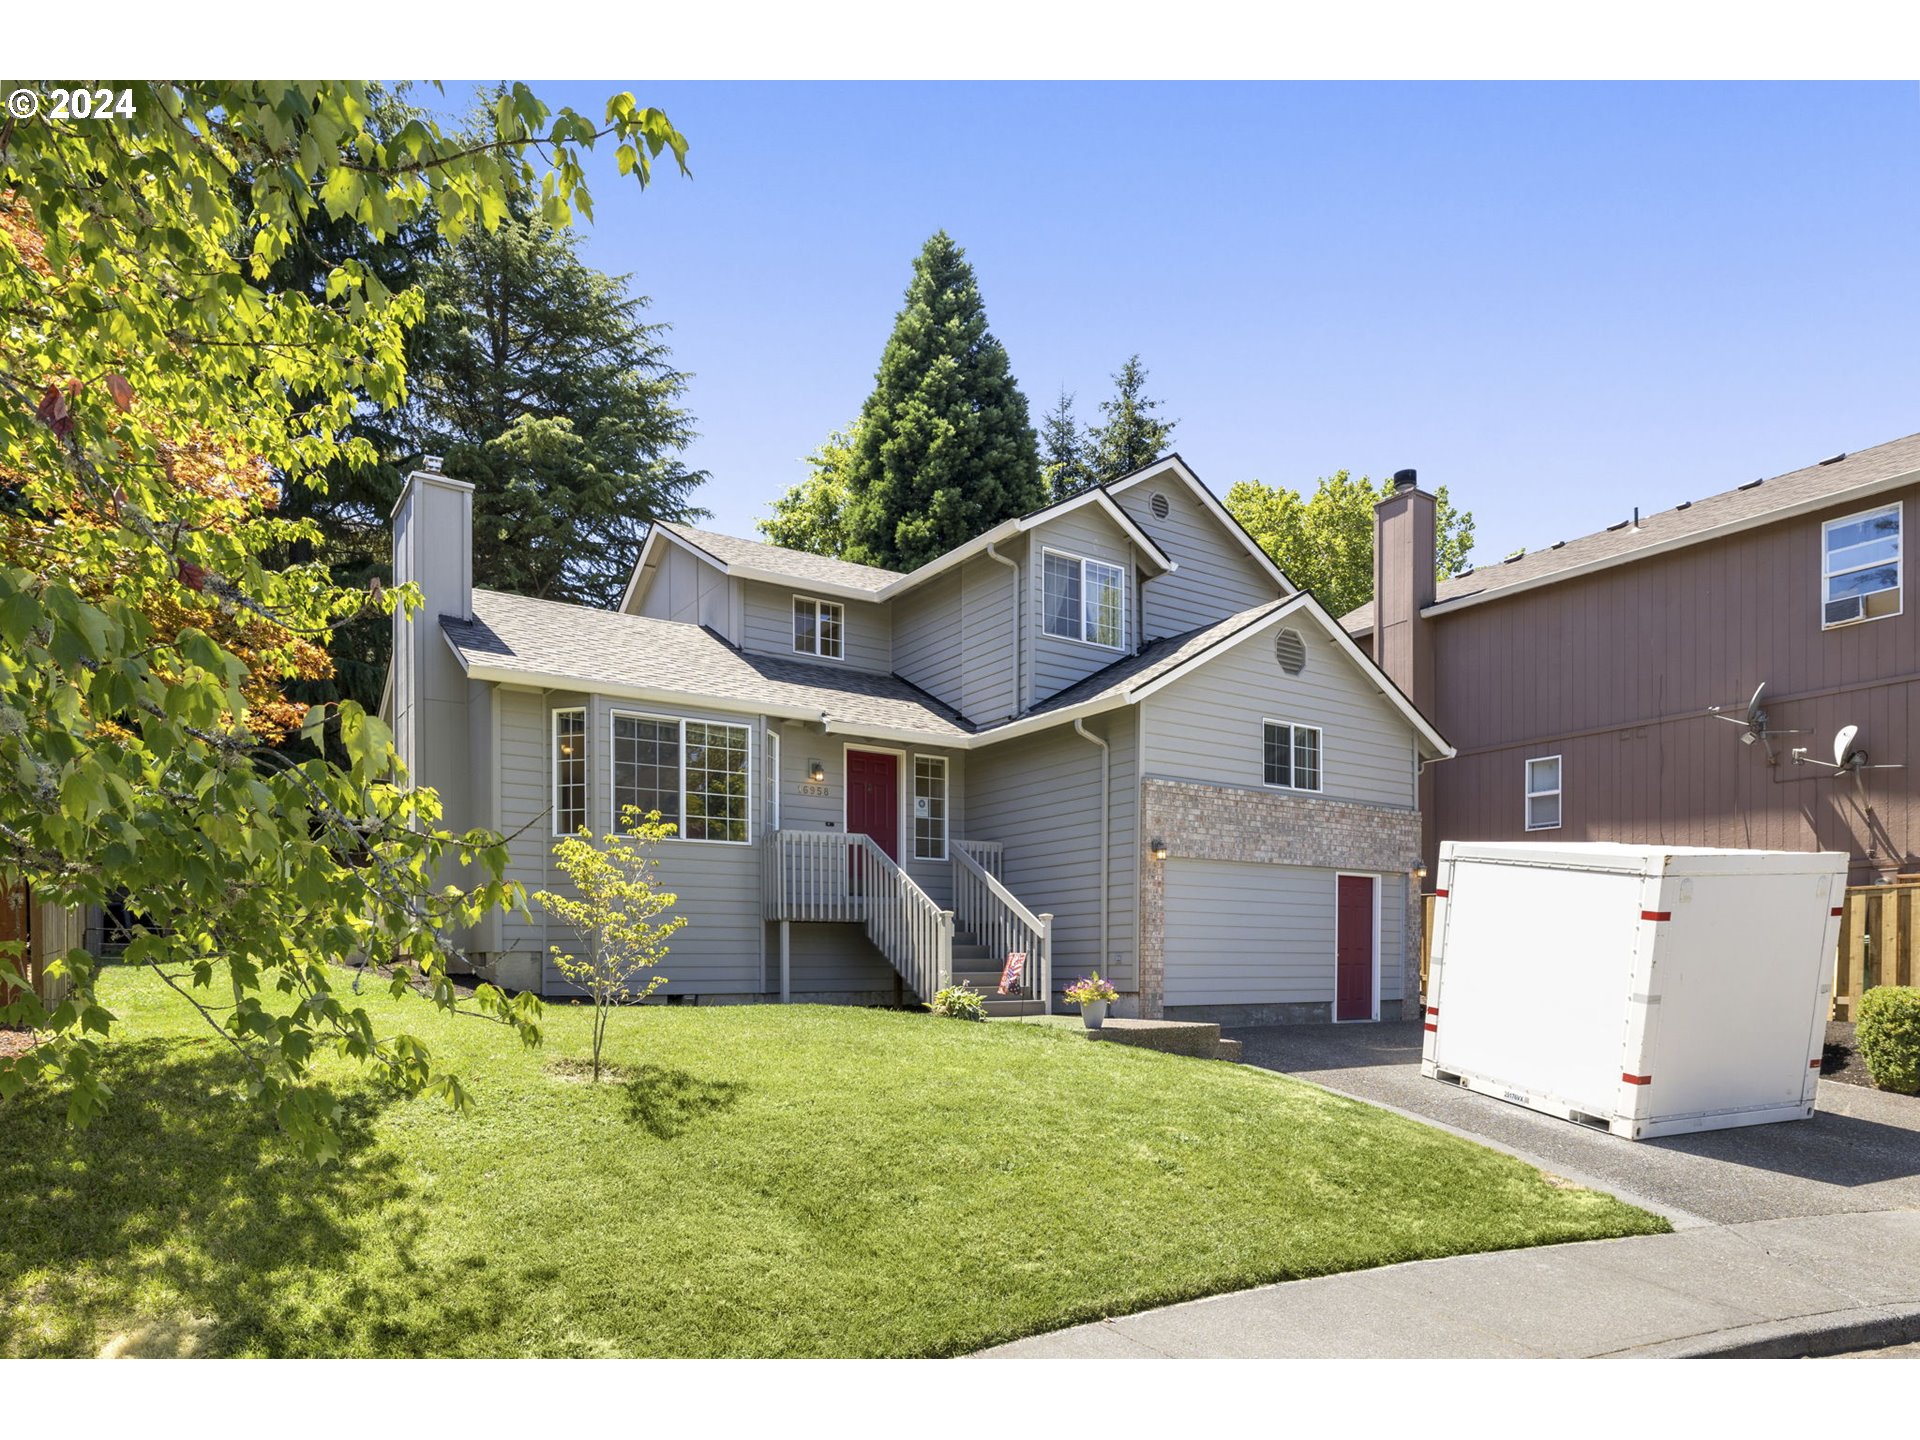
1641,989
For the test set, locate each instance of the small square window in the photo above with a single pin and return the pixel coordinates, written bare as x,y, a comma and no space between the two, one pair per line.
1292,755
819,627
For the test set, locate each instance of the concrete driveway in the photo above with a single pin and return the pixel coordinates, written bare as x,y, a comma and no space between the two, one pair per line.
1860,1152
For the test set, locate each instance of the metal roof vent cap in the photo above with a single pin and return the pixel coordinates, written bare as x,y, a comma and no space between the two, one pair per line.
1291,651
1405,479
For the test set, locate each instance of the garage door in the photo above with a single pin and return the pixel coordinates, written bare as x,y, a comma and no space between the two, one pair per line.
1245,934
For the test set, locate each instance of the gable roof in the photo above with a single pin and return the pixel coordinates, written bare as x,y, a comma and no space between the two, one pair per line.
821,574
1172,464
755,560
557,646
1859,475
577,647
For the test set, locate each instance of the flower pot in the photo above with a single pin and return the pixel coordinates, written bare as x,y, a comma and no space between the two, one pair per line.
1093,1014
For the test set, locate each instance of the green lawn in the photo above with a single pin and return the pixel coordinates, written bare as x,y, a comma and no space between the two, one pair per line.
797,1181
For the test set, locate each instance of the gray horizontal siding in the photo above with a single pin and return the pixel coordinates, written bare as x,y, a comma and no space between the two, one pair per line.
1091,535
687,589
1209,725
1246,934
767,625
956,638
1216,576
830,960
1040,797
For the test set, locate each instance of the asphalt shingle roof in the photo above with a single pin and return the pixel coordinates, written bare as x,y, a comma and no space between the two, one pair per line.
1664,527
778,560
1153,660
597,648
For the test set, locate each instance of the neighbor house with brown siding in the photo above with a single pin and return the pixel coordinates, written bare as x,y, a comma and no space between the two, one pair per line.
1108,735
1578,681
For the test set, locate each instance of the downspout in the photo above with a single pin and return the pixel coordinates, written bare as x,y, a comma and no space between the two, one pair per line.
1106,828
1019,704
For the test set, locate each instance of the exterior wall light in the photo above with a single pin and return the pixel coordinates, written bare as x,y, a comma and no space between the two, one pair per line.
1420,872
816,772
1159,848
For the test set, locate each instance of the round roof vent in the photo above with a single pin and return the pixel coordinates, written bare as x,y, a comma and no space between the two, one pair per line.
1291,651
1159,506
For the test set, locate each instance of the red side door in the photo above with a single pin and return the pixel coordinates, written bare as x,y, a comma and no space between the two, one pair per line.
1353,948
873,798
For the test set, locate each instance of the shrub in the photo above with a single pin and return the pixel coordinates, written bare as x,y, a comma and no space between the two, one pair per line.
960,1002
1888,1034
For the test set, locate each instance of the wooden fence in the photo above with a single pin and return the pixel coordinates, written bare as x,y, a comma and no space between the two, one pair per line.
1878,942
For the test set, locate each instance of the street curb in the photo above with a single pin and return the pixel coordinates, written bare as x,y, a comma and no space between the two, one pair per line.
1872,1327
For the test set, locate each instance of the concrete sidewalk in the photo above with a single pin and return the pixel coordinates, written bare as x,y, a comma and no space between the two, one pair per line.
1850,1281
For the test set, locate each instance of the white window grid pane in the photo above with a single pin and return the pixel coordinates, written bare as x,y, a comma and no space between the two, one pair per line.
569,771
1061,603
832,629
930,829
646,768
1105,603
1306,758
716,781
1279,754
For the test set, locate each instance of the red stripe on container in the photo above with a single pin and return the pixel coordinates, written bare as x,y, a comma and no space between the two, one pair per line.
1813,1064
1636,1079
1656,914
1433,1009
1440,894
1839,909
1433,1027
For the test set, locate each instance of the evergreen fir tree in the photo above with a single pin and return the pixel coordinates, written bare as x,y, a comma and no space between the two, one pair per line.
1063,451
945,447
1132,435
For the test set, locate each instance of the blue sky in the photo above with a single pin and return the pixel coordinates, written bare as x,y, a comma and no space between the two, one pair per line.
1558,300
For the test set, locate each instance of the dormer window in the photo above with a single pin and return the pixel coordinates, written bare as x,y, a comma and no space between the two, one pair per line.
819,627
1860,567
1085,600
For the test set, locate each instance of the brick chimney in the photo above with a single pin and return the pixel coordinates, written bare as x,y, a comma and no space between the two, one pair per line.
1403,585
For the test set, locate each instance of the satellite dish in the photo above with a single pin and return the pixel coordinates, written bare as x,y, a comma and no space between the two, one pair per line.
1842,744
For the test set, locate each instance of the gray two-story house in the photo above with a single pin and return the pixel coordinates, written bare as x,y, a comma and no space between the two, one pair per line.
1107,736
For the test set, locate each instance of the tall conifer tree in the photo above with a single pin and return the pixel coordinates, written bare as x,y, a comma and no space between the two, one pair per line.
1132,435
945,447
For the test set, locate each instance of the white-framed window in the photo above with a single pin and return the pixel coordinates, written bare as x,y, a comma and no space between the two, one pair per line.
694,772
1084,600
819,627
929,807
1292,755
1543,793
1860,567
569,771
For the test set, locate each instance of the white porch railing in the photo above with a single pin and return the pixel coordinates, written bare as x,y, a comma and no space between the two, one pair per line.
828,875
988,911
989,854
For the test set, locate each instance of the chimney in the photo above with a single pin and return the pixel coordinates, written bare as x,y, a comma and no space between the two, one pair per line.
432,548
1403,585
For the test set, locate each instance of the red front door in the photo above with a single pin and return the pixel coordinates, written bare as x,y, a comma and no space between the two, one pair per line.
873,798
1353,949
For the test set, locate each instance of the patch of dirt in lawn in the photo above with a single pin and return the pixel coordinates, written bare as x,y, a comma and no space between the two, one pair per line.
15,1042
580,1072
171,1338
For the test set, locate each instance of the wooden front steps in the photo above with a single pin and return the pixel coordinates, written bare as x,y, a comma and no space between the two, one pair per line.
973,964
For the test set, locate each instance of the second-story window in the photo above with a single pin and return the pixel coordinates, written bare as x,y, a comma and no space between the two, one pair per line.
1084,600
1860,567
819,627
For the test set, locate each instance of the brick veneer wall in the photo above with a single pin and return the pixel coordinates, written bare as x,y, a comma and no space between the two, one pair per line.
1224,822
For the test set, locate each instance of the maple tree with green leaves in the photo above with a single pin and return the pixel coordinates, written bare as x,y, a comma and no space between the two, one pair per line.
131,760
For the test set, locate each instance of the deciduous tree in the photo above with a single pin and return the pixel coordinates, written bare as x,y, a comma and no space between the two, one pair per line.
129,760
1325,542
812,515
615,910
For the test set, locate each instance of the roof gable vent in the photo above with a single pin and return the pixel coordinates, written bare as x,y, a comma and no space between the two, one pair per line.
1159,505
1291,651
